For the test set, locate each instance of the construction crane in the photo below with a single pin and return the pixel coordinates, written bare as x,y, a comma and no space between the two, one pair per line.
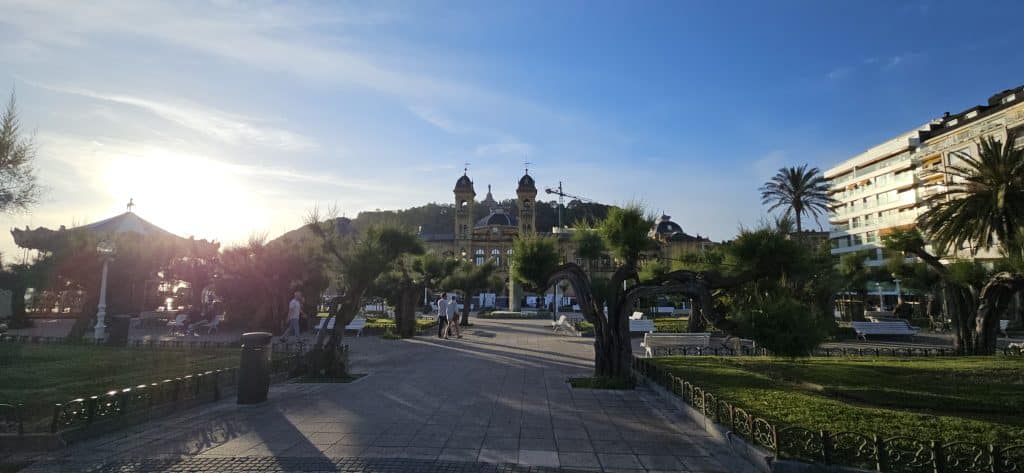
561,195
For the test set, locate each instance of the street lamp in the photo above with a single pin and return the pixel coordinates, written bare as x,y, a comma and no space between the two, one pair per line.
881,300
106,250
899,294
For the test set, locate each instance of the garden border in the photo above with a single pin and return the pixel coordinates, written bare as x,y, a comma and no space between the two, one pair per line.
792,447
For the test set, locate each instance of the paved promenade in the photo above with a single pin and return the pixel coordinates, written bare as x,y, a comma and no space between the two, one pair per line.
496,400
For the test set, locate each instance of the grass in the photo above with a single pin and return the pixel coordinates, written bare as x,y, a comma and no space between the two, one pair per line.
41,375
602,382
389,324
671,324
971,399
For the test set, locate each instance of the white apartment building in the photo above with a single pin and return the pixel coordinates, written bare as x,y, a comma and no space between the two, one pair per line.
874,191
888,185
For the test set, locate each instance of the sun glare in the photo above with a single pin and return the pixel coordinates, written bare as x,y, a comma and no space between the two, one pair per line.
187,194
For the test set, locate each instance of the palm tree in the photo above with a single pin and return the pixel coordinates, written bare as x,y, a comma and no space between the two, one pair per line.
800,190
985,198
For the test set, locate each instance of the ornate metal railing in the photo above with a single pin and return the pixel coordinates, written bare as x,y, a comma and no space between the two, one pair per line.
289,347
838,351
852,449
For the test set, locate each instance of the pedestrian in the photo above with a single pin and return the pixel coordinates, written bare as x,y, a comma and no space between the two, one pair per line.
294,312
442,314
453,319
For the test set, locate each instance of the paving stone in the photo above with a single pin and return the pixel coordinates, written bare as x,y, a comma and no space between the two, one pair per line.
574,445
660,462
498,456
703,464
538,458
619,460
578,460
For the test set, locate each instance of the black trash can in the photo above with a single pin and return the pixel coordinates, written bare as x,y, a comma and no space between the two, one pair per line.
117,330
254,370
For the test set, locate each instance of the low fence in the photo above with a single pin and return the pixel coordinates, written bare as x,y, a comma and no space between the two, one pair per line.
845,449
838,351
288,347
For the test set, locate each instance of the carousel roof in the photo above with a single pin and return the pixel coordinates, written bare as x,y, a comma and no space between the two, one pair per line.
127,223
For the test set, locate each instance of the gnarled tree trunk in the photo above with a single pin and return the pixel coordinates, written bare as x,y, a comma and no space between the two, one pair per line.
994,301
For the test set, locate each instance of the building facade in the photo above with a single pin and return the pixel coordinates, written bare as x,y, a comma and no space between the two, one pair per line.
490,238
889,185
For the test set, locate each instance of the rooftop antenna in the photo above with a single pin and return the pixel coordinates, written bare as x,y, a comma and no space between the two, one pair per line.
131,203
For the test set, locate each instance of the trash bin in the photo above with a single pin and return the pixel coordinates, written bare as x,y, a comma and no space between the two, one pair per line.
254,369
117,330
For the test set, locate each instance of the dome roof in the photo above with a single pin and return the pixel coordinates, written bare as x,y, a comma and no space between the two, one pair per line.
497,217
464,184
526,183
668,230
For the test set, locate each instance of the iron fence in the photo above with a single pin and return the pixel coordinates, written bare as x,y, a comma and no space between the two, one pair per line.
828,352
899,454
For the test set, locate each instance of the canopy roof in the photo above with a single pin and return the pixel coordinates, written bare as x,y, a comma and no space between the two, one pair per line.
48,240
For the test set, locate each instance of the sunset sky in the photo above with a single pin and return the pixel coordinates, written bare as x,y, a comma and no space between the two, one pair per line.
222,119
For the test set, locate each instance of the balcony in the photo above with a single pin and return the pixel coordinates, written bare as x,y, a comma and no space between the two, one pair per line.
931,191
928,172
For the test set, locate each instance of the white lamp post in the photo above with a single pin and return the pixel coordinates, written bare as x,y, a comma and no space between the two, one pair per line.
106,250
899,294
881,300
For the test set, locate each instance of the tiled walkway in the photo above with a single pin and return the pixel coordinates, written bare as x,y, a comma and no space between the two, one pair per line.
494,399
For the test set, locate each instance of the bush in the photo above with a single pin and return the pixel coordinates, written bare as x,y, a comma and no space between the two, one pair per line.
585,329
784,325
671,325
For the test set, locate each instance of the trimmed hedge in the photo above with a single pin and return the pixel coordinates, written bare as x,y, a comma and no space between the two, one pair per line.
502,314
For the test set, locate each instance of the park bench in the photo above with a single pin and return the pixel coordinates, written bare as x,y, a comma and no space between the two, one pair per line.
654,341
356,325
562,325
636,316
177,326
902,328
642,325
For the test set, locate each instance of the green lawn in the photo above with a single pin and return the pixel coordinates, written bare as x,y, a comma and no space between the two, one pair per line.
974,399
671,324
41,375
389,324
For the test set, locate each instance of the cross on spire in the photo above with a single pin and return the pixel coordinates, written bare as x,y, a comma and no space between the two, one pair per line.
131,203
465,169
526,164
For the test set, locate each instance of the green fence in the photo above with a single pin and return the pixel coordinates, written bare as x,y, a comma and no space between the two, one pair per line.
870,451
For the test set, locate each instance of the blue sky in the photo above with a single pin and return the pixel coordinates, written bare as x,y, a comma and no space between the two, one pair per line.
226,118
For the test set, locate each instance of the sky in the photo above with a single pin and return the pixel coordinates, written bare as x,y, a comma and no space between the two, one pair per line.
226,119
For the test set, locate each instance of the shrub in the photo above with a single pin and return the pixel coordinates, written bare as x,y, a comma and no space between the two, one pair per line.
671,325
784,325
585,329
843,333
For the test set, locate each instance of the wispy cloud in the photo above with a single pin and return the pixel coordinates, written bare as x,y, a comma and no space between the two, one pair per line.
227,127
437,119
873,64
505,148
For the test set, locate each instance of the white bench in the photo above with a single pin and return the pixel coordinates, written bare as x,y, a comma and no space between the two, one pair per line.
653,341
562,325
863,329
642,325
357,324
636,316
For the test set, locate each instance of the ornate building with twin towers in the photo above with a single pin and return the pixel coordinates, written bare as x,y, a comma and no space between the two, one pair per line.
489,239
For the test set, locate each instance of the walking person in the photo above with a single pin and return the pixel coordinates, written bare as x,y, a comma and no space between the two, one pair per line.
294,312
442,314
453,319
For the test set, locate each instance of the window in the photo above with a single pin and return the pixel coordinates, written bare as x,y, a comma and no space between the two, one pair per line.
871,237
496,256
1008,98
858,239
479,257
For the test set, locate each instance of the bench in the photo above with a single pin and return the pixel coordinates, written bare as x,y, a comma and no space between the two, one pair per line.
562,325
642,325
357,324
863,329
654,341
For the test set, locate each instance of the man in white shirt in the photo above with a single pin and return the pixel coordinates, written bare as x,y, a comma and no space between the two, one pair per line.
453,318
294,312
442,315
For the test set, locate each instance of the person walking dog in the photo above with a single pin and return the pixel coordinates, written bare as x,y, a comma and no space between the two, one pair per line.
442,315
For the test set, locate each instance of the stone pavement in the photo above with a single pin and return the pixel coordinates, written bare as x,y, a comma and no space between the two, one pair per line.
496,400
